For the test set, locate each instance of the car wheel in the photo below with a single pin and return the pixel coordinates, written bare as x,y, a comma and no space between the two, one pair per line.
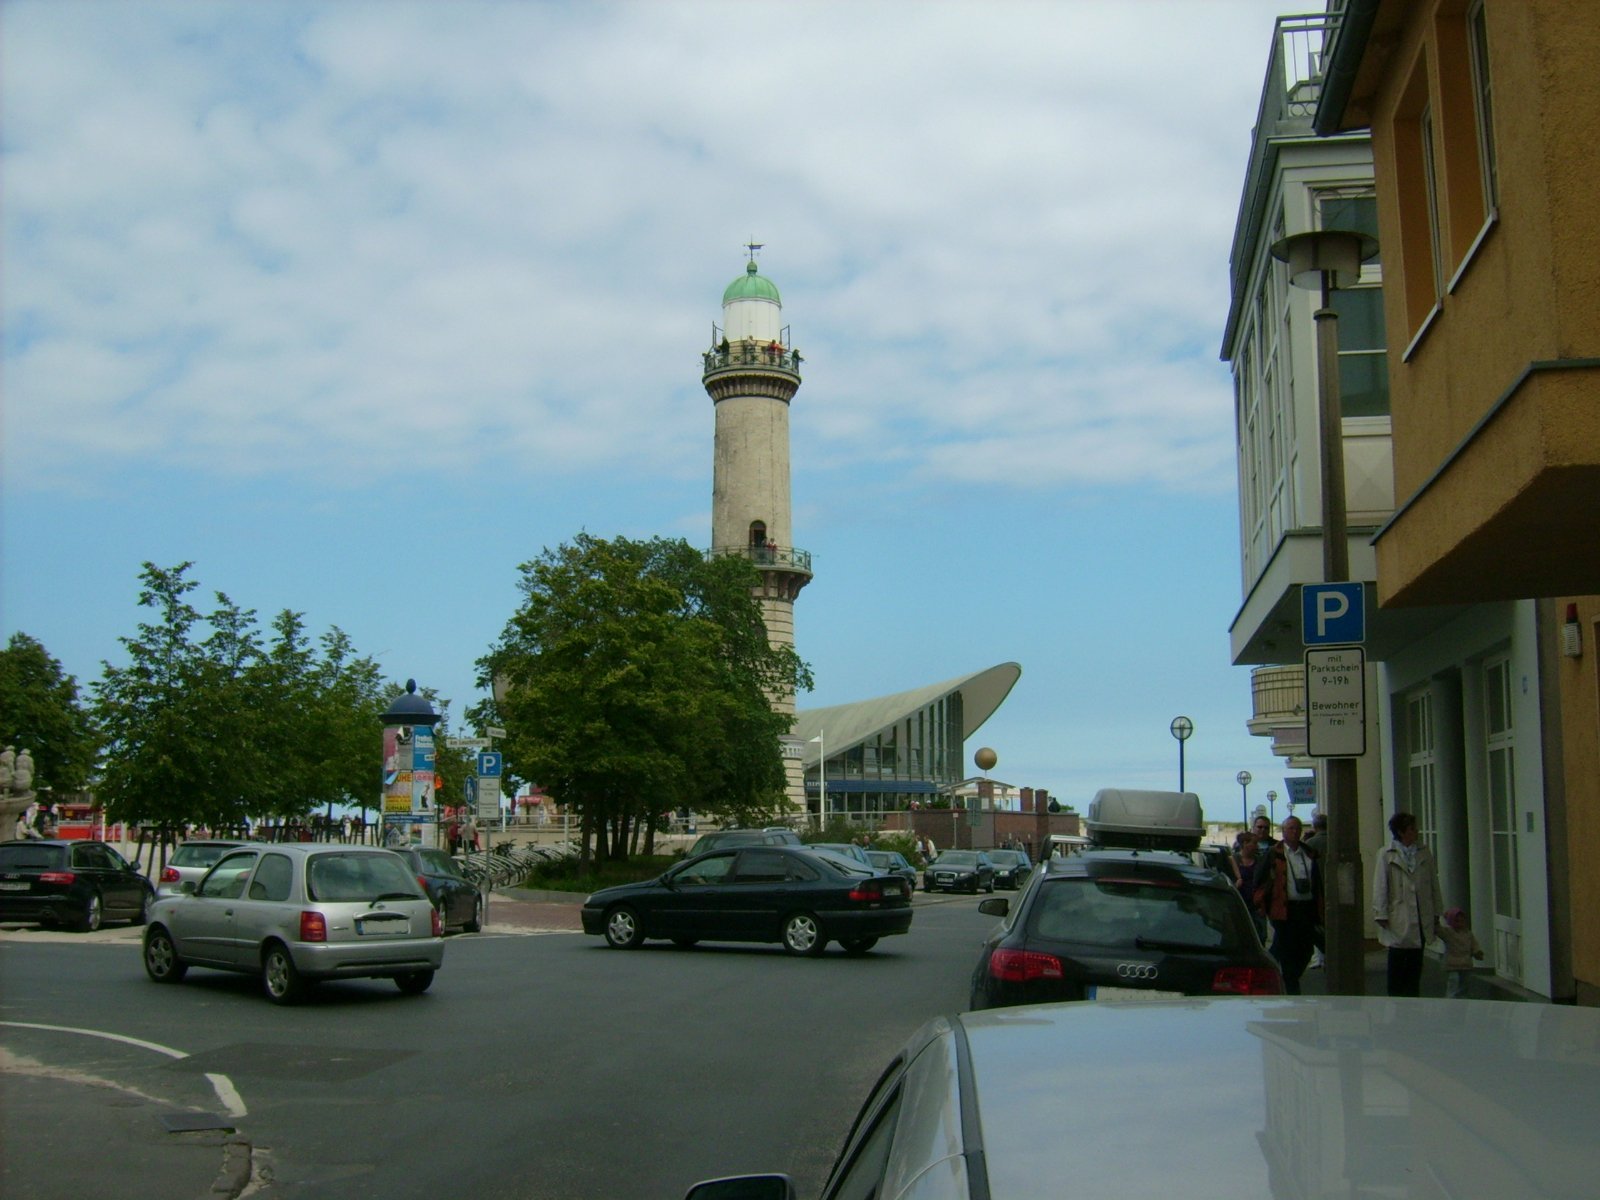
94,914
475,923
414,983
802,934
859,945
623,928
161,961
686,943
990,888
280,977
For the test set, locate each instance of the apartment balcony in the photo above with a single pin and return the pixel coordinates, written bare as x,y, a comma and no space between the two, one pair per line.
1278,708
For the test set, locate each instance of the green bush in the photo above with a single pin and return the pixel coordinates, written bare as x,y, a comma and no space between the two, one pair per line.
565,876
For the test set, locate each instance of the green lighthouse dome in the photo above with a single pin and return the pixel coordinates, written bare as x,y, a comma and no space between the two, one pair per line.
751,286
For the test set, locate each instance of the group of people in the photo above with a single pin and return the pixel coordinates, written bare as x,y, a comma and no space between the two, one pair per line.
36,821
1281,881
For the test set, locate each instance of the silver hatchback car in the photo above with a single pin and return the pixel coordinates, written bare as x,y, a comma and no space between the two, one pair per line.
189,862
297,914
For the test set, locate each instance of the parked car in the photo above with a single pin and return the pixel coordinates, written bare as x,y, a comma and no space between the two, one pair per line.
959,871
724,838
189,862
846,849
297,914
1434,1097
78,883
1011,868
457,898
894,863
1118,924
780,894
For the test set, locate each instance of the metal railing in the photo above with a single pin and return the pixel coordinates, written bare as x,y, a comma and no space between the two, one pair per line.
766,556
752,354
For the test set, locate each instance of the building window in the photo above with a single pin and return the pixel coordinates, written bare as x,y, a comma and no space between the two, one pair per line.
1430,183
1483,96
1501,761
1422,766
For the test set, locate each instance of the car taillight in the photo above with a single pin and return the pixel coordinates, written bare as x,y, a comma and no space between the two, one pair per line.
1247,981
64,878
438,924
1021,966
422,882
169,874
313,927
867,889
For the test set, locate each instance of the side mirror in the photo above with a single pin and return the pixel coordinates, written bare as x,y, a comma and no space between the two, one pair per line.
744,1187
995,906
187,887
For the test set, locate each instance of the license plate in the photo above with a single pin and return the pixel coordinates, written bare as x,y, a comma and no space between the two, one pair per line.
1122,995
13,887
383,926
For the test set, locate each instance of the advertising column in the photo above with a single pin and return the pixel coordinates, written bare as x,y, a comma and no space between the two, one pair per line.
410,806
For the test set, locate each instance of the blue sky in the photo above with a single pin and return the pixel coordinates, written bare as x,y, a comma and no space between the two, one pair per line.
358,306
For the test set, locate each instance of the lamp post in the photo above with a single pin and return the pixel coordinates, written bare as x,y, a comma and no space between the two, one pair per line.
1272,807
822,779
1181,728
1325,260
1243,779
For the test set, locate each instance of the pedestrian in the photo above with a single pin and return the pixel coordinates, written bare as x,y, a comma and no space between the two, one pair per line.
1289,894
1460,950
27,823
1317,838
1405,904
1245,864
469,833
452,833
1262,828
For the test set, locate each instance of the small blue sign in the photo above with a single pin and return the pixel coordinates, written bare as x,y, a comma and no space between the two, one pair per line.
489,764
1302,789
1333,614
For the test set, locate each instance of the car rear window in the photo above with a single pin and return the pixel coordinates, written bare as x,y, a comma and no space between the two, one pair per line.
1120,913
24,857
191,855
340,877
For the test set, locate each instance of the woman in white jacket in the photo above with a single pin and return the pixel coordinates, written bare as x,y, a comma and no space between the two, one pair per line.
1406,904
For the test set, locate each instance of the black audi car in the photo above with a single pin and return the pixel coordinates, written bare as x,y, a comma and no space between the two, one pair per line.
754,894
1121,924
1011,868
80,884
959,871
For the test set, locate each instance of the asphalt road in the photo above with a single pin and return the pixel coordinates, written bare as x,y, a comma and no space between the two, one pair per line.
541,1066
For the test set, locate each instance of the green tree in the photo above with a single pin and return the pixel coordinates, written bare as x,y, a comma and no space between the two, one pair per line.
637,679
40,712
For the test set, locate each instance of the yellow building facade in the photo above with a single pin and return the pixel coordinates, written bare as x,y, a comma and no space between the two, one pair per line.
1484,118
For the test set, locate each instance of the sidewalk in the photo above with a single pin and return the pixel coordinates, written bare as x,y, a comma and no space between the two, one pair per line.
525,911
1483,985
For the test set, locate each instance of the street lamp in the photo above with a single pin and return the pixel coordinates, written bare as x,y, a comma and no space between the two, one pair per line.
1181,728
1324,260
1272,807
822,779
1243,779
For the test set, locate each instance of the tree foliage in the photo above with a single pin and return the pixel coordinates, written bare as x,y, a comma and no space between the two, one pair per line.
40,712
636,678
209,724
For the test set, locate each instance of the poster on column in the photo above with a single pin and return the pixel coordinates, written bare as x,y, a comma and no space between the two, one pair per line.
397,770
422,761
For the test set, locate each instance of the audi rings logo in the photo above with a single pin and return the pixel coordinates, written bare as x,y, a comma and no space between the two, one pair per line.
1136,971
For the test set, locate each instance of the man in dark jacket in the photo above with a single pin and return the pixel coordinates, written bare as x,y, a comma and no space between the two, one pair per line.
1289,892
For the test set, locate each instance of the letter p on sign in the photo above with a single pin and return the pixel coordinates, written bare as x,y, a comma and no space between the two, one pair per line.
1333,614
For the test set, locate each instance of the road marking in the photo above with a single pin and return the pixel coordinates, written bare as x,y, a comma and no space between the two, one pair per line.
227,1094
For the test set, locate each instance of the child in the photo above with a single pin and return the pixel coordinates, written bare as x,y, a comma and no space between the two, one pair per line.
1460,948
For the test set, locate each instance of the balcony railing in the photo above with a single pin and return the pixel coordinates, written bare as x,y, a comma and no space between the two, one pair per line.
753,354
766,556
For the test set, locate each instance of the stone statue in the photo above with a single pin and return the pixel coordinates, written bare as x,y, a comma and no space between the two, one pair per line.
7,760
22,773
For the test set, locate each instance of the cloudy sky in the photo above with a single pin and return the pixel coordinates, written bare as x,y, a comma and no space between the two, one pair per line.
360,305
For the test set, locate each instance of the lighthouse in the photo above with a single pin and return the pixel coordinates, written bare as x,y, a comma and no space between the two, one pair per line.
752,372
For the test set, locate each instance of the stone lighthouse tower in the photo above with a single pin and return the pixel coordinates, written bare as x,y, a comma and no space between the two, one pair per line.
751,375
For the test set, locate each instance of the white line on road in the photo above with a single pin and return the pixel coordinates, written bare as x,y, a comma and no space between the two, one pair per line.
226,1092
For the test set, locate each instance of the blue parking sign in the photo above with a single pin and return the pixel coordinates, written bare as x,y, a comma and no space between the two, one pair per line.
489,764
1333,614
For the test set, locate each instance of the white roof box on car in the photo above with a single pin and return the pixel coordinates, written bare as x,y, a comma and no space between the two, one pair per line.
1145,820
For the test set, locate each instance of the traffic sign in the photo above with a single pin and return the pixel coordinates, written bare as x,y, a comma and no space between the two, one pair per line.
456,743
488,805
489,764
1336,702
1333,614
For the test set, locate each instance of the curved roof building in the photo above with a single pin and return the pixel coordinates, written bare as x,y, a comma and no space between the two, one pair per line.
886,752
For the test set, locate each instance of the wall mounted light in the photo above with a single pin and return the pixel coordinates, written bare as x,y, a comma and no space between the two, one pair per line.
1572,634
